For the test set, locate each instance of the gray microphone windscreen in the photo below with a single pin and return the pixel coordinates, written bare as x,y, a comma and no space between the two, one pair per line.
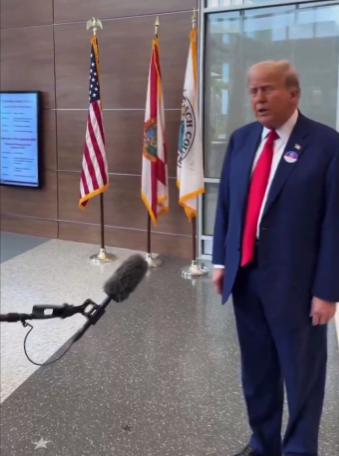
126,278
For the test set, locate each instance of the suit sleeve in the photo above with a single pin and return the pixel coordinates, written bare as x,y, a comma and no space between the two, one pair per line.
221,219
326,285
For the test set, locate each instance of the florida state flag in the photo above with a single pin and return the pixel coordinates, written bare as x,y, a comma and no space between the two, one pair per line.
154,187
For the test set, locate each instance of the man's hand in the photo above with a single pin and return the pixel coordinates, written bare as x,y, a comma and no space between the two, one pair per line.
218,279
322,311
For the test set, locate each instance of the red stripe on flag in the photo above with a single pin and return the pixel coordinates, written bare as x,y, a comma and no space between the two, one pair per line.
157,58
84,183
154,87
98,115
85,186
98,153
161,166
91,168
154,114
161,171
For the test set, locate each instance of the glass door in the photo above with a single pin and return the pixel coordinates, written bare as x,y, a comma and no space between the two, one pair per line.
306,34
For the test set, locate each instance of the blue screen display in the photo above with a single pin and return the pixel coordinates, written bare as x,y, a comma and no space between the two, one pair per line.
19,139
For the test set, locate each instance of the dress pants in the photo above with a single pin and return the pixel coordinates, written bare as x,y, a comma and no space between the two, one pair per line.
274,354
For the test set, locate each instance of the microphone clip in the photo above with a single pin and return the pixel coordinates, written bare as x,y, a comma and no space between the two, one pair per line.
88,309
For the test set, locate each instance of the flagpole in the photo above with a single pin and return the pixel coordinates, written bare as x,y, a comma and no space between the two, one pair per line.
196,269
151,261
194,239
102,257
102,221
149,227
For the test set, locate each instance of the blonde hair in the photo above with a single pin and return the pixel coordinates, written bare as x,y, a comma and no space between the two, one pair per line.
282,67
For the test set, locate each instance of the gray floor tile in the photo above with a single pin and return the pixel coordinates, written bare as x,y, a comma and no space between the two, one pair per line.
157,376
13,244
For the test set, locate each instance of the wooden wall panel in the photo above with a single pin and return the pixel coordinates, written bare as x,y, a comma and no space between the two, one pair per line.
124,136
123,205
178,246
125,48
23,13
27,61
82,10
31,226
49,150
32,202
71,128
55,60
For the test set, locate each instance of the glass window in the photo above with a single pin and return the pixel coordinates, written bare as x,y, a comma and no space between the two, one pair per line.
207,247
258,2
209,204
218,3
225,3
319,3
307,36
222,3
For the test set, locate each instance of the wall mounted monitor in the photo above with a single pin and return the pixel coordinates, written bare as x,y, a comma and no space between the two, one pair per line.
20,139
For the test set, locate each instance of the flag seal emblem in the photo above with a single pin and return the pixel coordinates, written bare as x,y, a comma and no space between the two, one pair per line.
291,157
187,130
150,140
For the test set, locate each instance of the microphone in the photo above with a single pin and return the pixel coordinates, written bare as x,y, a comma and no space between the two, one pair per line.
126,278
117,288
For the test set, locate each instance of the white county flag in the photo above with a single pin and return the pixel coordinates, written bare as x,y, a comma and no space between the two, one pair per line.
190,174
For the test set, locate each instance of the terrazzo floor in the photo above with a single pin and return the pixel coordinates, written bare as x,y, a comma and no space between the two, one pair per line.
157,376
12,245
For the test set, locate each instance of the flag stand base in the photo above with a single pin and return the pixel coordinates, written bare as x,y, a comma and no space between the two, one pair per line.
195,270
102,257
152,262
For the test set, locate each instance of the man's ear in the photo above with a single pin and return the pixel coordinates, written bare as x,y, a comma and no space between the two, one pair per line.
295,94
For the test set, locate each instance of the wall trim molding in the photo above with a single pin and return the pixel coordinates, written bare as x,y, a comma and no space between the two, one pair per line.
74,222
108,109
74,171
109,19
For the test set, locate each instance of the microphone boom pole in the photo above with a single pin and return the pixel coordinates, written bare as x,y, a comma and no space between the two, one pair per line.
117,288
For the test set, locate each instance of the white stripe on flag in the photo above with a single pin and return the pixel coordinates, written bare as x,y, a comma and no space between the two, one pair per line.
96,130
94,160
87,175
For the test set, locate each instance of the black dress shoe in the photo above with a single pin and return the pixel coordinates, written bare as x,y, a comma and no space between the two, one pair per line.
247,452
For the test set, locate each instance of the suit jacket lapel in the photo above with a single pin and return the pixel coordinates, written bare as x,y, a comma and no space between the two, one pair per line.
245,162
297,143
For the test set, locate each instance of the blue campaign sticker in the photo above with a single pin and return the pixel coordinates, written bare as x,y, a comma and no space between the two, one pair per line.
291,157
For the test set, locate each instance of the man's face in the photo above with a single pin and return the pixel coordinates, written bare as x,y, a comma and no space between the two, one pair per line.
272,102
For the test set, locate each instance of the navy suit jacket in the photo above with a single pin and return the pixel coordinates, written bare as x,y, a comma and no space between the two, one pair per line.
299,230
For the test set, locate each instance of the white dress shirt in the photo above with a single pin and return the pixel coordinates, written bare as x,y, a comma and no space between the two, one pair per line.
284,133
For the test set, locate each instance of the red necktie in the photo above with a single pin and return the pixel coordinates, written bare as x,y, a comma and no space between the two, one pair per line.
256,195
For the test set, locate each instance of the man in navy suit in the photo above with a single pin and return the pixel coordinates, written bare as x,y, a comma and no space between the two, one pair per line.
276,249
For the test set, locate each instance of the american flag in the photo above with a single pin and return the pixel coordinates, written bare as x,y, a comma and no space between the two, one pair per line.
94,176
